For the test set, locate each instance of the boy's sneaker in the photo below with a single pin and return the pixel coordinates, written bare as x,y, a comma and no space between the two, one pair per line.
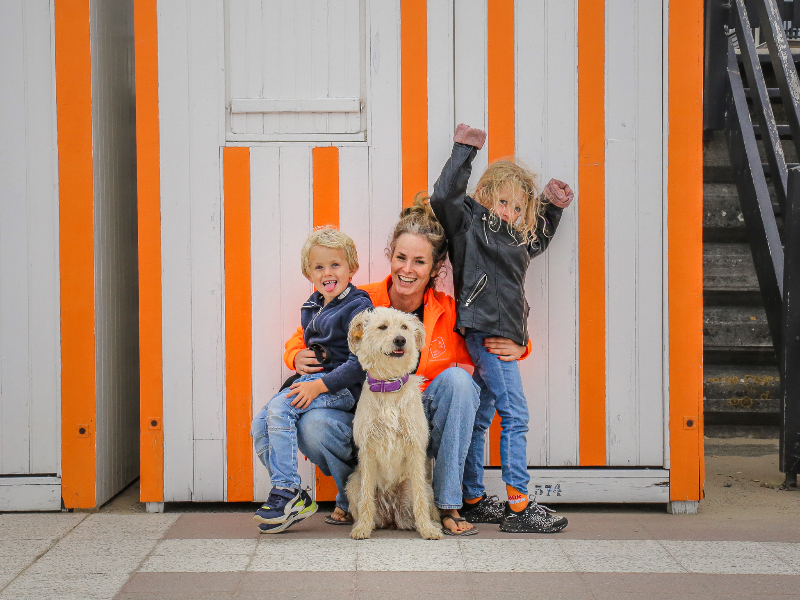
535,518
283,508
488,509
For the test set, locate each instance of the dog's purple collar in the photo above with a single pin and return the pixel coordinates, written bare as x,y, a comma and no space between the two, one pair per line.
386,385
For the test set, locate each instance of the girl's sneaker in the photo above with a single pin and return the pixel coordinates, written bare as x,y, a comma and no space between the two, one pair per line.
535,518
488,509
283,508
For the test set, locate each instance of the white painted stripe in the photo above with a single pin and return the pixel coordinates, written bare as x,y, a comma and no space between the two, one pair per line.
282,553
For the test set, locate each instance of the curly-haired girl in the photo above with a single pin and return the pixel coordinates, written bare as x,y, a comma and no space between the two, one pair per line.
492,238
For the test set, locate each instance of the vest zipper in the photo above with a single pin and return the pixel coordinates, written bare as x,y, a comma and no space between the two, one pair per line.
476,290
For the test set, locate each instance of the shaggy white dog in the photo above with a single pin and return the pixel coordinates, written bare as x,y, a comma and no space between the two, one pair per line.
390,488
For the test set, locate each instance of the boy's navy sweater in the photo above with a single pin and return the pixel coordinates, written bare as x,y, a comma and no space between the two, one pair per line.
328,325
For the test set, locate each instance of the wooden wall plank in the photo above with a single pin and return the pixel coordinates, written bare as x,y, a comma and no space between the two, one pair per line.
621,233
271,14
14,275
206,91
304,58
176,253
287,80
561,256
384,126
76,252
354,205
148,187
470,71
532,148
441,108
43,283
634,262
591,227
268,339
323,55
255,88
501,82
685,194
241,49
651,201
295,224
209,485
414,96
238,325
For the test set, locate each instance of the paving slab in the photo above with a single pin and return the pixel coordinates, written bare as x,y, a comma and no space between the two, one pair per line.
727,557
620,556
508,556
37,526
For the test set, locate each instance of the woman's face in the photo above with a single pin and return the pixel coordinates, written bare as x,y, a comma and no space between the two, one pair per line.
412,266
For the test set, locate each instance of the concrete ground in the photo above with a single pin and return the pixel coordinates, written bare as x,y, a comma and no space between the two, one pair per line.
743,543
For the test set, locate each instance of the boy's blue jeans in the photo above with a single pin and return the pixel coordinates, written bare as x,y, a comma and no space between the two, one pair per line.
274,431
501,390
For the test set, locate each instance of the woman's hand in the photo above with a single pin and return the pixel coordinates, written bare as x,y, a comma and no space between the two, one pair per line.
305,362
305,392
504,348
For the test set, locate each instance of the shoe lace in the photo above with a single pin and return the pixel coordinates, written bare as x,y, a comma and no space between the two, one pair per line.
541,509
493,499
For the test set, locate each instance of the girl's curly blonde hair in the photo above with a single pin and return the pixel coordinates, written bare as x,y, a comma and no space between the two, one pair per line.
525,186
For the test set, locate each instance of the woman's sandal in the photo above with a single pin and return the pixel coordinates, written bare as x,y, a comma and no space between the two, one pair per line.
348,520
457,520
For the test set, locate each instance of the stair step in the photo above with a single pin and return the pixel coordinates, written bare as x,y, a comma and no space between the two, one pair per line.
741,389
784,132
729,268
735,327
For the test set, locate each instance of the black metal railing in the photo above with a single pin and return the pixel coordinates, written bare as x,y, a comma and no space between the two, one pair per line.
777,264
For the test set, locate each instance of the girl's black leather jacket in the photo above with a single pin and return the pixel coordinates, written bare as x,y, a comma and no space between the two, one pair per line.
489,263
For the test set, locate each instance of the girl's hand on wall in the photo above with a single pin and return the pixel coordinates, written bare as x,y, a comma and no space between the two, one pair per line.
559,193
504,348
469,136
305,362
305,392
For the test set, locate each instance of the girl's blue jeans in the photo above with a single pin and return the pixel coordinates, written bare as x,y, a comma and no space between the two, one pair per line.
500,389
274,431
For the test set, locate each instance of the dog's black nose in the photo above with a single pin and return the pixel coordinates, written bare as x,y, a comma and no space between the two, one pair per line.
399,341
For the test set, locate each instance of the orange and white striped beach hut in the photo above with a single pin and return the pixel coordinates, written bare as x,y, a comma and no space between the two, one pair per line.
258,119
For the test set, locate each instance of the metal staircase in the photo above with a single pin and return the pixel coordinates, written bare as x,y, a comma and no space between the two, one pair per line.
761,120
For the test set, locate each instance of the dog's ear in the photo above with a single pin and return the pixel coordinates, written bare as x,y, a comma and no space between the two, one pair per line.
419,334
356,330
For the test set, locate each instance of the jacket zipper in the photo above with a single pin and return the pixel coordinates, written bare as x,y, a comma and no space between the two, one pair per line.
476,290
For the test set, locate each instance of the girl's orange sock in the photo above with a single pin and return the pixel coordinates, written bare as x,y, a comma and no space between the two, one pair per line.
517,501
472,500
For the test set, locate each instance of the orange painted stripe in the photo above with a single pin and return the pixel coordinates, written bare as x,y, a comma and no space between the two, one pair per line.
325,162
148,172
685,234
500,60
414,96
76,252
238,325
501,139
591,232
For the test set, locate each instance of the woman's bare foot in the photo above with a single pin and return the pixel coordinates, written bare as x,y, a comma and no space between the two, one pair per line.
343,517
454,526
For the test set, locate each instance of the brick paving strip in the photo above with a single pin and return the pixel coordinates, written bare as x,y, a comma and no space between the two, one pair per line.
220,555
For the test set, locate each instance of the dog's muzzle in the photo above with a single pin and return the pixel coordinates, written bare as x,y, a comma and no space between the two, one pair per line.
386,385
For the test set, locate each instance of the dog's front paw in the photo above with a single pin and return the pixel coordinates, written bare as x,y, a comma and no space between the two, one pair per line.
360,532
430,532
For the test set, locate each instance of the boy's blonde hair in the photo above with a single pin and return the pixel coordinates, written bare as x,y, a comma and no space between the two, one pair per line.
329,237
524,184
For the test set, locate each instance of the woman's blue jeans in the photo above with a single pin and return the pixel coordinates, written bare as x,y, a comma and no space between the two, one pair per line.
500,389
325,436
274,431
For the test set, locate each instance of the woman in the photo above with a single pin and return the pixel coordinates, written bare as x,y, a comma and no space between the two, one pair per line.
416,251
